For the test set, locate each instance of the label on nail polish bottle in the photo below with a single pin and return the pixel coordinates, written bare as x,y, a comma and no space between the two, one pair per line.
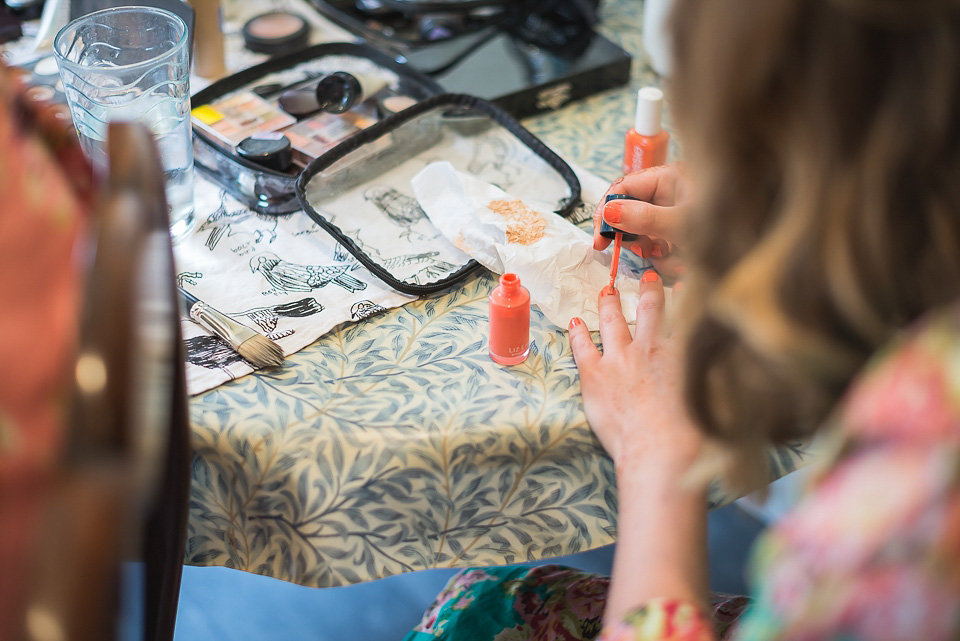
509,321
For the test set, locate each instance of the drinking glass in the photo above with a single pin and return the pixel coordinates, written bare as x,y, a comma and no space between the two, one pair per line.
132,63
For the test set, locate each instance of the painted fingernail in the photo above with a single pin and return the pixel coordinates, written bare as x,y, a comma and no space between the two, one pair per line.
656,251
613,212
650,276
680,270
575,322
637,249
609,290
678,287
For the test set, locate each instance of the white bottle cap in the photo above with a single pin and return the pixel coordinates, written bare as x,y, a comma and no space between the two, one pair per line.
649,110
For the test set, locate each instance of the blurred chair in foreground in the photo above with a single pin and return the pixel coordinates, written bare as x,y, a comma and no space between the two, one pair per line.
110,482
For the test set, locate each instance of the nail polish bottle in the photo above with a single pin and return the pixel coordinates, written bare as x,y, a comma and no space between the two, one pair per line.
647,142
509,321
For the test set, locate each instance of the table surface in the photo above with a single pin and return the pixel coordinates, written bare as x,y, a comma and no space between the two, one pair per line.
396,444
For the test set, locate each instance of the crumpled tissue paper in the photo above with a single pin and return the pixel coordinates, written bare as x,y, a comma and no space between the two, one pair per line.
555,260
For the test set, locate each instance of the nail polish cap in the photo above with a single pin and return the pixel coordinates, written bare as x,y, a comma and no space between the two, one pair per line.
649,111
607,230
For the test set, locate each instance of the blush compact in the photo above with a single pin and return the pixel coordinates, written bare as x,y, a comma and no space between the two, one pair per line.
276,33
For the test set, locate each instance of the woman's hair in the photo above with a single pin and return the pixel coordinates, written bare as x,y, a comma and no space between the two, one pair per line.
825,139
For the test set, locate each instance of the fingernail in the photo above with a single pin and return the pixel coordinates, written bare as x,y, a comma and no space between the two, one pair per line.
656,251
650,276
637,249
613,212
609,290
678,287
575,322
680,270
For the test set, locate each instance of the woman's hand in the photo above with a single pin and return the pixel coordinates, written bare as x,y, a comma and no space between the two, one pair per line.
632,391
658,216
633,402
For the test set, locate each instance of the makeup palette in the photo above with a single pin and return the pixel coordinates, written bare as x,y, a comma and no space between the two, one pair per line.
312,137
233,118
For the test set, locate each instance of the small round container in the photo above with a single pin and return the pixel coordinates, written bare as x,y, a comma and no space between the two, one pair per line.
389,105
338,92
276,33
608,231
268,149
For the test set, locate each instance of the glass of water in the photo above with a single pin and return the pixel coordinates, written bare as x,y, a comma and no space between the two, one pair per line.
132,63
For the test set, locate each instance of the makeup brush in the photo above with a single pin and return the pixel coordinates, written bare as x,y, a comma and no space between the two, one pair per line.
256,348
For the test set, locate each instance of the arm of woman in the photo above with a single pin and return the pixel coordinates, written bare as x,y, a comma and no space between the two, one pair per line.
632,399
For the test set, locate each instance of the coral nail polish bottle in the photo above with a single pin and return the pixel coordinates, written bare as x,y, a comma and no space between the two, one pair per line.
648,141
509,321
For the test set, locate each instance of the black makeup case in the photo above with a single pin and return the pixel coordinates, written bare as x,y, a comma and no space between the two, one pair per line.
359,191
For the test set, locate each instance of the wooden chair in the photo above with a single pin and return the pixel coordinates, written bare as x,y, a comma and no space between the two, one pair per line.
124,488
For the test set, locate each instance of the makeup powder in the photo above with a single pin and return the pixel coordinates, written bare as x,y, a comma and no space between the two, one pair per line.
275,33
524,225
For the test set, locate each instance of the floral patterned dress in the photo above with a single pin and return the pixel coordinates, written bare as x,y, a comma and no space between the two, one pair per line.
871,552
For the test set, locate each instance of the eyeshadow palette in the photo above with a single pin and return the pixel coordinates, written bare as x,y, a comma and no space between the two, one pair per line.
233,118
312,137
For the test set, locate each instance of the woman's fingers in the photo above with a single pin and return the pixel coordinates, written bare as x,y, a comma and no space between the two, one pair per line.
614,331
649,308
644,218
585,353
599,242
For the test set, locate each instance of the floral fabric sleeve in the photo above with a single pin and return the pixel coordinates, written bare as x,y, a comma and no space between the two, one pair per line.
662,620
873,550
674,620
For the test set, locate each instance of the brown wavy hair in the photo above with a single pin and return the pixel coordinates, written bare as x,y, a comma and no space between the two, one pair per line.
825,140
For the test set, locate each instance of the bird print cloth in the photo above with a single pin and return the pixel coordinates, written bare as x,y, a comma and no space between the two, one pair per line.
282,276
286,278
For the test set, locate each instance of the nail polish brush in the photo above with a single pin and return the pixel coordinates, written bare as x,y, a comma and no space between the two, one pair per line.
618,236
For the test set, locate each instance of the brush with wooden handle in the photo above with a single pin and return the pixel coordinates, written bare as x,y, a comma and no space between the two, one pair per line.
256,348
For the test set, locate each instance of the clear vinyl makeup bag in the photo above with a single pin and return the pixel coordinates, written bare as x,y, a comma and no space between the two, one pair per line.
352,170
268,190
360,191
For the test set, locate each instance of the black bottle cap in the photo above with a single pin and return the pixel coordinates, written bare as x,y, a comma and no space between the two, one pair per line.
276,32
338,92
608,231
268,149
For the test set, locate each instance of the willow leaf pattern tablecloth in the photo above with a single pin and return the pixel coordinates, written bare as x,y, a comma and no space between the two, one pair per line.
396,444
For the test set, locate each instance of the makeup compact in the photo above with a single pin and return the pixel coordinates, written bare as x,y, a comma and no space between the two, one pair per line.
276,33
270,149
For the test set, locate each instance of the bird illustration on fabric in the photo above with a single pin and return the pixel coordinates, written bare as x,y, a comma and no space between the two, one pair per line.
432,270
286,276
402,209
221,224
267,318
365,309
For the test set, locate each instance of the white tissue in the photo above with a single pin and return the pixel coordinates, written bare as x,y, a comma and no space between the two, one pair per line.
562,271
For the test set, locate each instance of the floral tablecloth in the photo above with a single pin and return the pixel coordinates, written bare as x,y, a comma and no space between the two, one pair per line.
395,444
